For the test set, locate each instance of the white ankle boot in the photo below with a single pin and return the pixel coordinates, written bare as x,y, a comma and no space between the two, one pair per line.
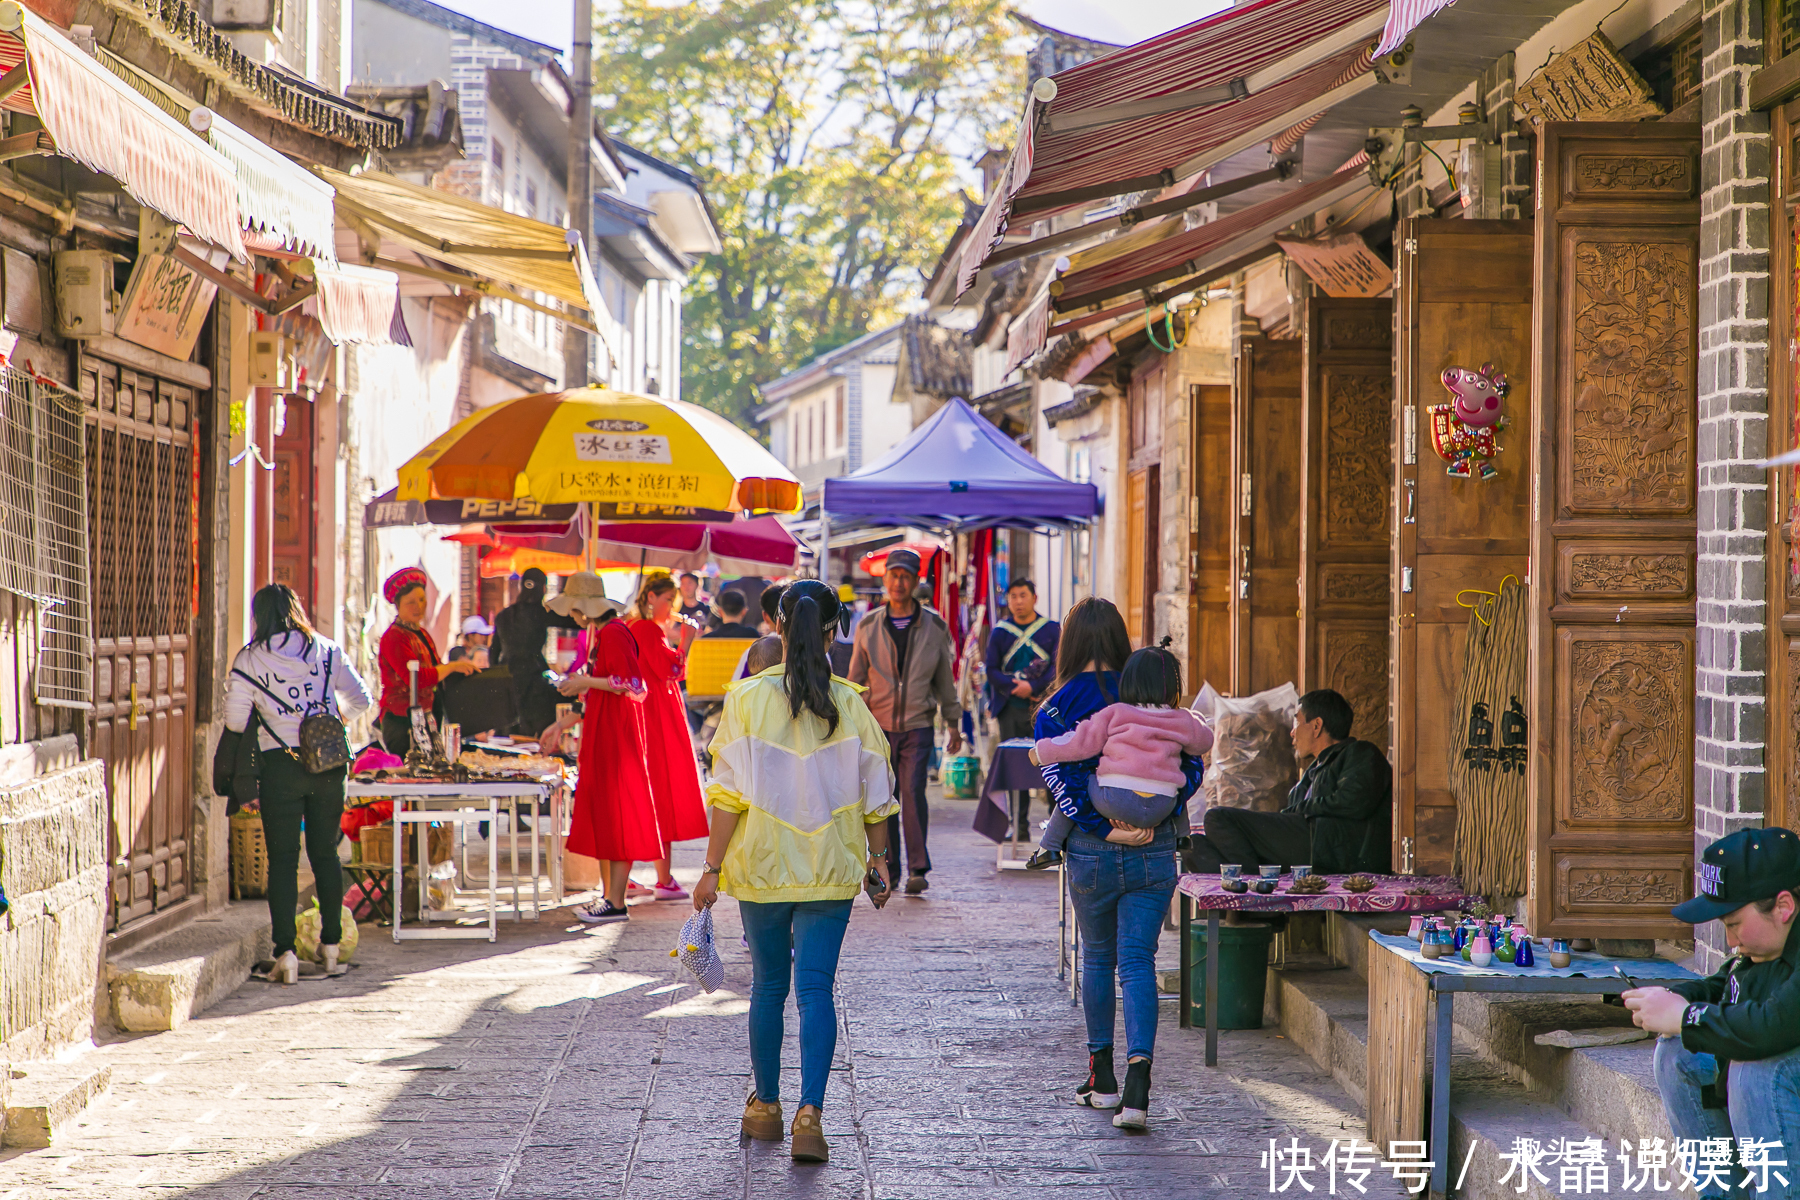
286,969
332,966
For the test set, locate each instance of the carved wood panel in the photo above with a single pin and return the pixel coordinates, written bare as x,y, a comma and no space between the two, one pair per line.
1611,807
1632,381
1357,410
1353,662
1352,583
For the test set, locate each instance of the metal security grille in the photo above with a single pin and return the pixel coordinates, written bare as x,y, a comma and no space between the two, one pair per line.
44,531
143,495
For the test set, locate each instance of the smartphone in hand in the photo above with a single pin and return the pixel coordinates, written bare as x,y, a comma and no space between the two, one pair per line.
878,891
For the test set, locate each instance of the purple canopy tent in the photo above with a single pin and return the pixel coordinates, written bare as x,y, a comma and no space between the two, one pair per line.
959,472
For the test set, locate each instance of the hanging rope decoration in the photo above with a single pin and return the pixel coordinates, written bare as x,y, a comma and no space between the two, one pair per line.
1488,739
1168,319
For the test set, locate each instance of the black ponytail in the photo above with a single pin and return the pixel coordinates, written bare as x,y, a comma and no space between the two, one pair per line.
805,616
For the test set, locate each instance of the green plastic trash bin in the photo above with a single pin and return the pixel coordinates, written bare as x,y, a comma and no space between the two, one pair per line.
962,775
1243,974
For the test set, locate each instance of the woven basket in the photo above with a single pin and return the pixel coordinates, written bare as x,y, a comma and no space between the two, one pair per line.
377,844
249,856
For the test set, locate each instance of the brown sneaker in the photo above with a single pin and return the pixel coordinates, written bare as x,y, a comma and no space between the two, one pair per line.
762,1119
809,1136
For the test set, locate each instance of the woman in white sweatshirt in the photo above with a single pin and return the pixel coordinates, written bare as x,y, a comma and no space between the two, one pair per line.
287,672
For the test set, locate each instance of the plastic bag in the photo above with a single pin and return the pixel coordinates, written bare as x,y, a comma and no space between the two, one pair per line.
698,952
310,923
1252,763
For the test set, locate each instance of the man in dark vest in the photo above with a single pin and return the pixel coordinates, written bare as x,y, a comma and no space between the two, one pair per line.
1021,662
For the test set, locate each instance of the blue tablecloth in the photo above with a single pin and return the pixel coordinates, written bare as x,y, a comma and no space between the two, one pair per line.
1581,963
1010,771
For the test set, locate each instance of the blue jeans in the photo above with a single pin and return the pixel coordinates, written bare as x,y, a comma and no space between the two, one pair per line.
1121,894
1118,804
814,931
1762,1102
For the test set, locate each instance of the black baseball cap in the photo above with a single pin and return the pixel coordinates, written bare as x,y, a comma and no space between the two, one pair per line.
1739,869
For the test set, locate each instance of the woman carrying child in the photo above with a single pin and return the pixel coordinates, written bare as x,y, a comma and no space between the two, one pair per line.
1121,874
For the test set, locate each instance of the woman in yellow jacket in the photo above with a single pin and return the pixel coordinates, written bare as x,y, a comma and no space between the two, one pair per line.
800,792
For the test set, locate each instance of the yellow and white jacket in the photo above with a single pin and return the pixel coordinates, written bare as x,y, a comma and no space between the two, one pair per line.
804,796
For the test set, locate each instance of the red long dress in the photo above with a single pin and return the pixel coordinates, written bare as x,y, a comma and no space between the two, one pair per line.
674,774
614,818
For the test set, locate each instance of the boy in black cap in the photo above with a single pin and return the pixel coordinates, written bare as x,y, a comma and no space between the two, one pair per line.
1728,1063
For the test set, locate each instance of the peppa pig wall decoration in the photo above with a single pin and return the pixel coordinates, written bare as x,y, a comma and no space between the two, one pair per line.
1462,432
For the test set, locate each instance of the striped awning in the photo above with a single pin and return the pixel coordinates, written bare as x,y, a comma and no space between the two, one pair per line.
1219,241
1174,105
355,304
276,196
1028,332
102,122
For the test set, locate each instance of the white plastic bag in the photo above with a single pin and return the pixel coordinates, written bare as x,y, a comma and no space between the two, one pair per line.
698,953
1252,764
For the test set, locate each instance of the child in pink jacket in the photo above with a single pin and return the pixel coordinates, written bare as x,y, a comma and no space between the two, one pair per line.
1139,741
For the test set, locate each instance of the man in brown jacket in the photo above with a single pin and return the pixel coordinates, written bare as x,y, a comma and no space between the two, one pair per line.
903,654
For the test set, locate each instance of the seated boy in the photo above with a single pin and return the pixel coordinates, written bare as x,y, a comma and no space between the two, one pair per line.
1728,1063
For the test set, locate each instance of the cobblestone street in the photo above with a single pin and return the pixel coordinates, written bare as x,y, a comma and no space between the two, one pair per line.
566,1062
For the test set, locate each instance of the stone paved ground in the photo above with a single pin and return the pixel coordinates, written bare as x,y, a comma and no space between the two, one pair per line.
564,1063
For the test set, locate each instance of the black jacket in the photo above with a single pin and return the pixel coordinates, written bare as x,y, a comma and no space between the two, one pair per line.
1347,798
237,764
520,631
1746,1010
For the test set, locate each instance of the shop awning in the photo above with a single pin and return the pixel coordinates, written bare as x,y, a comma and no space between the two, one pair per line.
356,304
516,252
102,122
1170,106
1219,241
275,196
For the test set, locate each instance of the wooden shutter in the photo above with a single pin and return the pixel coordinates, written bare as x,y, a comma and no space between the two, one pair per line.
1265,621
1209,539
1347,413
1136,537
1612,554
1465,300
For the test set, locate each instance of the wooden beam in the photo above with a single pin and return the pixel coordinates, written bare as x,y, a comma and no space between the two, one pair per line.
26,145
1778,81
1099,191
1153,106
485,287
226,281
14,79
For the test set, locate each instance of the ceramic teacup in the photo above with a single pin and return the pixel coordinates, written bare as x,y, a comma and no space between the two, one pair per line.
1301,872
1230,871
1271,872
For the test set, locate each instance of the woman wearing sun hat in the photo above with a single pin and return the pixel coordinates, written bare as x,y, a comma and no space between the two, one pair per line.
614,819
407,640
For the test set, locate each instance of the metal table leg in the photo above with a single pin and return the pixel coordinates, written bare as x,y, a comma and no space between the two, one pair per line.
398,891
1184,989
1212,987
537,830
1062,923
1440,1095
512,834
494,870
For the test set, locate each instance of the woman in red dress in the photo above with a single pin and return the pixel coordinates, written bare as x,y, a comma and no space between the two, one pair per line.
614,819
663,638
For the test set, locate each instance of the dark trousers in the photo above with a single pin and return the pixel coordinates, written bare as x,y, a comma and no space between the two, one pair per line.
1250,839
909,754
1015,722
292,794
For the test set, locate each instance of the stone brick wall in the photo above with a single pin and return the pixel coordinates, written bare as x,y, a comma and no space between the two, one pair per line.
1497,85
1729,680
53,867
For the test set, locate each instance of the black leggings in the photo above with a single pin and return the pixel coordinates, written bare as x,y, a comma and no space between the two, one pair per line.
290,793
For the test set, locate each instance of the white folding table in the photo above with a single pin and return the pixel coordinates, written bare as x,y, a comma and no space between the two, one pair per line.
424,804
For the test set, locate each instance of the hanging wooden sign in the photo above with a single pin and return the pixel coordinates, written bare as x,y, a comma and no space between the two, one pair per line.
1342,265
1587,82
165,305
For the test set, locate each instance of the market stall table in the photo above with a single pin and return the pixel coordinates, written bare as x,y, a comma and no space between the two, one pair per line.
1406,990
423,803
1009,772
1203,893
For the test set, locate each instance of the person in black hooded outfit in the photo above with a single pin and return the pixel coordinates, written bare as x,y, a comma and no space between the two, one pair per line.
520,630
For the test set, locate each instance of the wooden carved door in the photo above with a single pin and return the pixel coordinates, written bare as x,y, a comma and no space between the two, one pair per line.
1344,484
1265,546
1464,301
1210,522
142,543
1612,557
293,516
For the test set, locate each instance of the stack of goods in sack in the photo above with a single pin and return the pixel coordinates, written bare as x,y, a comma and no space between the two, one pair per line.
1252,764
480,762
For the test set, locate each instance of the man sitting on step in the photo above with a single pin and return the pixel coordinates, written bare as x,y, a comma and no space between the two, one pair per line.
1728,1060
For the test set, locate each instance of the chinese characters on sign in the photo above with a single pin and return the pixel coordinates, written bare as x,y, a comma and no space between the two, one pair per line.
622,447
661,487
165,305
1481,754
1571,1166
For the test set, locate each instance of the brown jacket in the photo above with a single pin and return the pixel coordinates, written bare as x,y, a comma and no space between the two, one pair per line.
902,704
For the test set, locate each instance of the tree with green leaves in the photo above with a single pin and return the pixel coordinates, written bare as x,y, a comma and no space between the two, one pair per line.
827,135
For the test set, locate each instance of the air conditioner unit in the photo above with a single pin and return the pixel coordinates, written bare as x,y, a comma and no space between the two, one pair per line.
271,360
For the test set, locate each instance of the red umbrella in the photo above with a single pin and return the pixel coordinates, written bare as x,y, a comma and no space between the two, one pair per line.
875,561
744,546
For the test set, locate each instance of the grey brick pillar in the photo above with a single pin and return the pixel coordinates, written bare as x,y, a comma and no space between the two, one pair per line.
1729,679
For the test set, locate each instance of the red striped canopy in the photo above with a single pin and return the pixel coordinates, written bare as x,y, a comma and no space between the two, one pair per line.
1278,37
1220,240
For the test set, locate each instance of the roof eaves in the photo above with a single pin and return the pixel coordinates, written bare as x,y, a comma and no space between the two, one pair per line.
808,371
456,22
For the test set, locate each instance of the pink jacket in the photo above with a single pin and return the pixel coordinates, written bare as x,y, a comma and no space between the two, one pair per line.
1139,748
